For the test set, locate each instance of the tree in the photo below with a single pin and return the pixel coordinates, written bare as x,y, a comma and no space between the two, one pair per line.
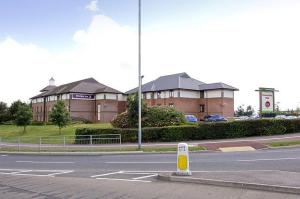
3,112
14,108
242,112
60,115
249,111
23,116
133,109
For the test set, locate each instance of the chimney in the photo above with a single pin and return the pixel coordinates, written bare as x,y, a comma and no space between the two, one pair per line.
51,82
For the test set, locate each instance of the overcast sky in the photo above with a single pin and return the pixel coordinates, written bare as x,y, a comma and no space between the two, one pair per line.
246,44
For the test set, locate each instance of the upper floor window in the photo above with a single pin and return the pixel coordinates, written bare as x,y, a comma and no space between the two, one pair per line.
158,95
171,93
201,94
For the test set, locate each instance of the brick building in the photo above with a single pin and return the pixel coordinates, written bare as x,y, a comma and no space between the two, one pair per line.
189,95
85,99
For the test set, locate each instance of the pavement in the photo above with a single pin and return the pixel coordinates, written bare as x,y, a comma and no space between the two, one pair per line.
268,180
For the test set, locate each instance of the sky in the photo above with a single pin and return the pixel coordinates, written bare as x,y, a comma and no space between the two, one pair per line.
244,43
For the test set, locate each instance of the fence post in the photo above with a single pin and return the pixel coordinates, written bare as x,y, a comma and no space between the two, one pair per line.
120,136
0,143
19,141
40,145
65,142
91,139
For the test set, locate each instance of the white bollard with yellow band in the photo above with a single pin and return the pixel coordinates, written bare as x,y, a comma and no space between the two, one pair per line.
183,162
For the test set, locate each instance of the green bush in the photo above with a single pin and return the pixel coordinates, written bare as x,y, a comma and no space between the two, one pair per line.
152,117
121,121
162,116
222,130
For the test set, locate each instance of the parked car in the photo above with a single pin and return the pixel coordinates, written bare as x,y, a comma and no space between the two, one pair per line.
191,118
281,117
242,118
214,118
291,117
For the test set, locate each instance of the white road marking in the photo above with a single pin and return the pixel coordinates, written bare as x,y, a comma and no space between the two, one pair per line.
39,162
127,180
267,159
143,177
106,174
24,172
3,155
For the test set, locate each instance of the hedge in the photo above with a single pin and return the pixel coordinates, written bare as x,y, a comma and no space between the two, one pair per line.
221,130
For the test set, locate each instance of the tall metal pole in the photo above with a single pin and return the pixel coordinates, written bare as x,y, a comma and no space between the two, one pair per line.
140,83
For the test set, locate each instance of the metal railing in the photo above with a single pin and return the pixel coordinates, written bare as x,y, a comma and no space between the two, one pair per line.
104,142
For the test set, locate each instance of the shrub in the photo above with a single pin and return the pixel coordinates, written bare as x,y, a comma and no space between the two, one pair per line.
162,116
152,117
220,130
121,121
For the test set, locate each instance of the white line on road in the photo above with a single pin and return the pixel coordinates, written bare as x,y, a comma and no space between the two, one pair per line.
39,162
143,177
267,159
106,174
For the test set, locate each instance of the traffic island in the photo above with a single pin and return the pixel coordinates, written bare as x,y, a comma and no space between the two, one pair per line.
273,181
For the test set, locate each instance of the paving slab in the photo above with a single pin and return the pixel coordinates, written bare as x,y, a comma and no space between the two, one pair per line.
267,180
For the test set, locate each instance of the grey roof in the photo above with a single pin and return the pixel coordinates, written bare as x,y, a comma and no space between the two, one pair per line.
214,86
47,88
179,81
90,86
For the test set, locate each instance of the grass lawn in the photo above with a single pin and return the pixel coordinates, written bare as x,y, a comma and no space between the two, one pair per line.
284,143
33,132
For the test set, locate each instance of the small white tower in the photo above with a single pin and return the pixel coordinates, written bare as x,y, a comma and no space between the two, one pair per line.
51,82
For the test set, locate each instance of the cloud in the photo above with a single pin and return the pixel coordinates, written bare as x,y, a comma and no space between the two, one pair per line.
92,6
248,50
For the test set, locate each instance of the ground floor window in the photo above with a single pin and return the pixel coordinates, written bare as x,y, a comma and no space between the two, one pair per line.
202,108
99,112
171,105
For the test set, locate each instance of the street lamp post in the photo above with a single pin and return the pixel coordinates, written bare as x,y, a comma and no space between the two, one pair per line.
140,79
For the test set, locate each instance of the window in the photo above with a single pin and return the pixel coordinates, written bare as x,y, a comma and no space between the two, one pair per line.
158,95
171,93
104,97
152,95
202,108
99,112
171,105
144,96
57,97
201,94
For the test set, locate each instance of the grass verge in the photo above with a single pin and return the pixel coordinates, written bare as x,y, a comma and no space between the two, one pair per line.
284,143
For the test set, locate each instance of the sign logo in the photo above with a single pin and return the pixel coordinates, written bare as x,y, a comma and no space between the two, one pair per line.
82,96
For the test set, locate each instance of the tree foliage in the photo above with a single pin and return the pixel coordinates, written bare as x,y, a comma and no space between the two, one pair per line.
14,108
4,116
59,115
23,116
241,111
151,116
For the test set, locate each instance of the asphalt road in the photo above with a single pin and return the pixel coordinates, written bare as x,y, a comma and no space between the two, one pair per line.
132,176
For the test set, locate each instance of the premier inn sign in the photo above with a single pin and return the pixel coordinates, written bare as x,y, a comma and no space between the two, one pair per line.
266,100
83,96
